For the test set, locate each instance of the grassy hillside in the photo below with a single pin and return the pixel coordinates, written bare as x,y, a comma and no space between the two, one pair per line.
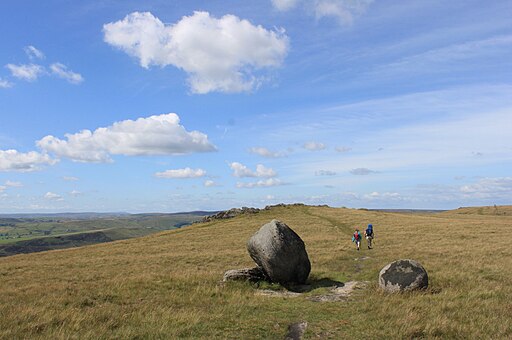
34,234
166,285
500,210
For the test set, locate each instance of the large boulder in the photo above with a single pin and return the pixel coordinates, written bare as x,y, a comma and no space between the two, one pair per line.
403,276
281,253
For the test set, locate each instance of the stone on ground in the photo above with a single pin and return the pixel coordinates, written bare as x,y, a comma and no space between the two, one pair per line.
245,274
296,330
403,276
281,253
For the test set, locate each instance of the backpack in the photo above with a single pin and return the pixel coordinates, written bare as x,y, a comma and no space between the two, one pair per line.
369,232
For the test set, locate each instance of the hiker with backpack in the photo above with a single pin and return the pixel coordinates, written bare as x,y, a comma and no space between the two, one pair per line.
368,233
357,238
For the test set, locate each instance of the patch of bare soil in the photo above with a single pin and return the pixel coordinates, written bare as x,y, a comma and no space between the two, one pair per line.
336,293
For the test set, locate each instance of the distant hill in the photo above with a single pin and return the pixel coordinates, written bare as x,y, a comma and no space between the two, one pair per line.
500,210
36,233
75,216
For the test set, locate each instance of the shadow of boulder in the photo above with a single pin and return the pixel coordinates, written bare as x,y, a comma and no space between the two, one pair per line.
313,284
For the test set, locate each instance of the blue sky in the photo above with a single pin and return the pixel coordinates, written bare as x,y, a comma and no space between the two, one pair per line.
165,106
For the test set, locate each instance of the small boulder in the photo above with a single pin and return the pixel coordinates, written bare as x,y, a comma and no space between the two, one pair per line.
245,274
296,330
403,276
281,253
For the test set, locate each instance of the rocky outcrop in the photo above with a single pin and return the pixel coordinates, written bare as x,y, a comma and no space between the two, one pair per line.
231,213
245,274
403,276
281,253
245,210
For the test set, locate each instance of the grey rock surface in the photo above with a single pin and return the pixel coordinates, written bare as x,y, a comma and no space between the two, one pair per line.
281,253
403,276
245,274
296,330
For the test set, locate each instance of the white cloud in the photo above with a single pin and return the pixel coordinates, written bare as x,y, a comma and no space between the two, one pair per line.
362,171
75,193
33,53
342,149
28,72
209,183
344,11
270,182
284,5
2,188
325,173
12,160
53,196
181,173
264,152
314,146
61,71
220,55
70,178
240,170
5,84
154,135
13,184
485,188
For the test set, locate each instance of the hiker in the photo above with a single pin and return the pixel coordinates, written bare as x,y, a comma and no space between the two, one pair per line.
357,238
368,233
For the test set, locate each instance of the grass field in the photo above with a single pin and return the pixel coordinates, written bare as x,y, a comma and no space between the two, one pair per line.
166,285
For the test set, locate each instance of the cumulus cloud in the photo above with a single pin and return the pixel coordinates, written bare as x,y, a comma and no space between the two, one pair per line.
70,178
270,182
344,11
53,196
181,173
31,72
314,146
154,135
222,55
28,72
209,183
12,160
33,53
61,71
2,188
75,193
362,171
5,84
325,173
240,170
264,152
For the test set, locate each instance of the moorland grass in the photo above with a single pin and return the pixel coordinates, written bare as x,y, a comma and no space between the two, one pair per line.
167,285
